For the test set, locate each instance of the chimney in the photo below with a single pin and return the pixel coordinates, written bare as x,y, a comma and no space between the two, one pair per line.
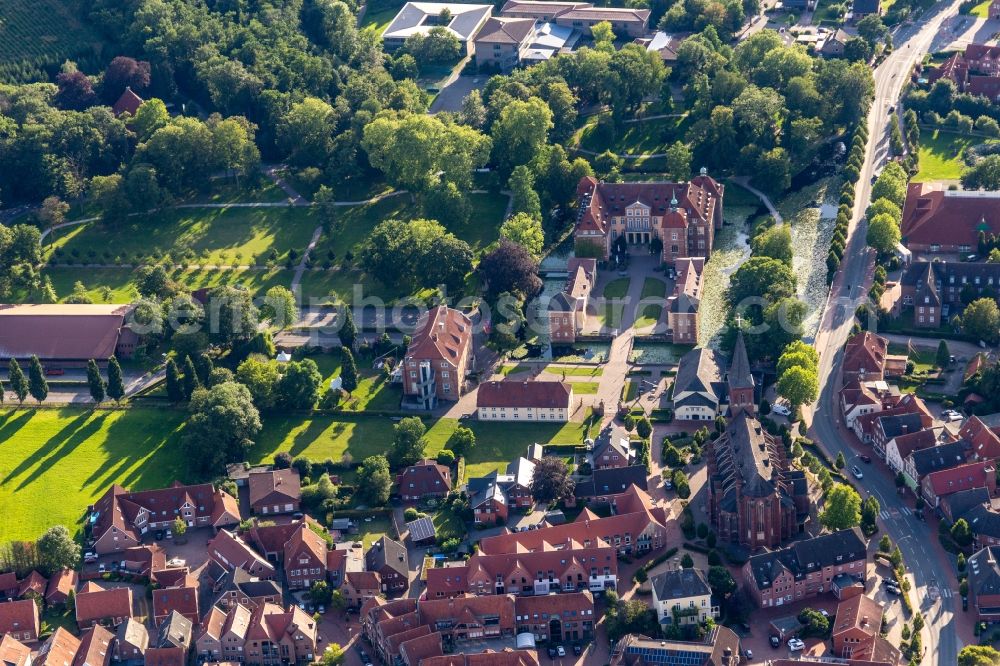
864,621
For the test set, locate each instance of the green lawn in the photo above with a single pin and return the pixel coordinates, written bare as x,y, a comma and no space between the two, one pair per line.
610,313
370,532
574,372
513,369
653,290
942,153
377,21
982,10
226,191
639,138
213,235
53,463
374,391
500,443
585,388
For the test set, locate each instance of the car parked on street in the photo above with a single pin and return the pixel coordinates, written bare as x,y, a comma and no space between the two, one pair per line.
561,651
856,471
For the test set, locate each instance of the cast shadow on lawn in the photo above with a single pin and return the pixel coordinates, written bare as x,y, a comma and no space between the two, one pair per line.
47,448
12,421
153,454
66,447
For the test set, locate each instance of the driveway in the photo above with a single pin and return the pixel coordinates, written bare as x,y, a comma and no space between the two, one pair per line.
451,96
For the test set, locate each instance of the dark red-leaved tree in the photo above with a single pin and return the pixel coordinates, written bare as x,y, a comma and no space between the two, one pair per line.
510,268
76,91
124,72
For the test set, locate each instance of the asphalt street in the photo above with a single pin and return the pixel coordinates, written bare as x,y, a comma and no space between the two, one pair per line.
932,575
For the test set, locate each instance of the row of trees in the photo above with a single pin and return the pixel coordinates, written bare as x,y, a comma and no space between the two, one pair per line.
37,386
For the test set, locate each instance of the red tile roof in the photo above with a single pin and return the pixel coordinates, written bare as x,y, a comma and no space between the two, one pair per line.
865,352
508,657
417,649
232,552
963,477
59,649
60,331
19,616
908,404
916,441
35,582
276,486
516,393
94,603
8,584
60,586
858,612
442,334
95,647
701,197
934,215
305,540
427,477
985,442
129,103
13,652
183,599
165,656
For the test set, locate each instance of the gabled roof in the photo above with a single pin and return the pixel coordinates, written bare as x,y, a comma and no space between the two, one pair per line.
61,584
599,201
701,371
426,477
96,603
390,553
932,214
917,441
420,17
95,647
61,331
616,439
810,555
515,393
232,552
13,652
175,631
34,582
858,612
304,540
962,477
134,633
612,481
941,457
865,352
442,334
128,103
59,649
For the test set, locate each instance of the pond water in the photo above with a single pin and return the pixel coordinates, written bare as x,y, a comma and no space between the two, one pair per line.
730,251
656,353
586,352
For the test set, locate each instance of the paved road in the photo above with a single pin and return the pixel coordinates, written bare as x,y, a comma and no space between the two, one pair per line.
917,543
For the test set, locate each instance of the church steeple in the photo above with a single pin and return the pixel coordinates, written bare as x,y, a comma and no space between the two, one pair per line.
740,380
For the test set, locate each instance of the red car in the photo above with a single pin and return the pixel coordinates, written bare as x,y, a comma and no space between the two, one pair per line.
867,459
54,372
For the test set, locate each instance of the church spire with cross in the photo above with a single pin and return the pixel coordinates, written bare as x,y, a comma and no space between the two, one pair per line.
739,378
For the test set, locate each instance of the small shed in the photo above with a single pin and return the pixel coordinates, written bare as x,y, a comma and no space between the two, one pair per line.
844,586
555,517
786,626
342,525
421,531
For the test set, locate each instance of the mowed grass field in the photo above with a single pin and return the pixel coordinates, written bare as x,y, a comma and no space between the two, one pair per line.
54,463
38,35
942,154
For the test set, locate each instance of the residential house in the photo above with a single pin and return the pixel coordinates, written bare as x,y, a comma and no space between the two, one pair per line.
683,596
983,520
231,552
683,216
8,585
806,568
275,491
387,558
305,559
973,71
360,587
19,618
143,560
863,8
181,598
937,290
984,583
60,585
856,627
581,16
683,305
938,220
462,21
612,448
663,44
65,335
568,309
95,648
699,389
519,401
891,426
120,517
922,462
128,102
276,635
168,656
34,584
957,504
556,618
755,498
270,540
175,631
502,43
720,647
857,399
13,652
58,649
983,437
96,605
439,356
208,635
340,559
131,642
506,657
239,587
867,359
493,496
425,479
606,484
418,650
835,43
940,484
864,425
899,448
